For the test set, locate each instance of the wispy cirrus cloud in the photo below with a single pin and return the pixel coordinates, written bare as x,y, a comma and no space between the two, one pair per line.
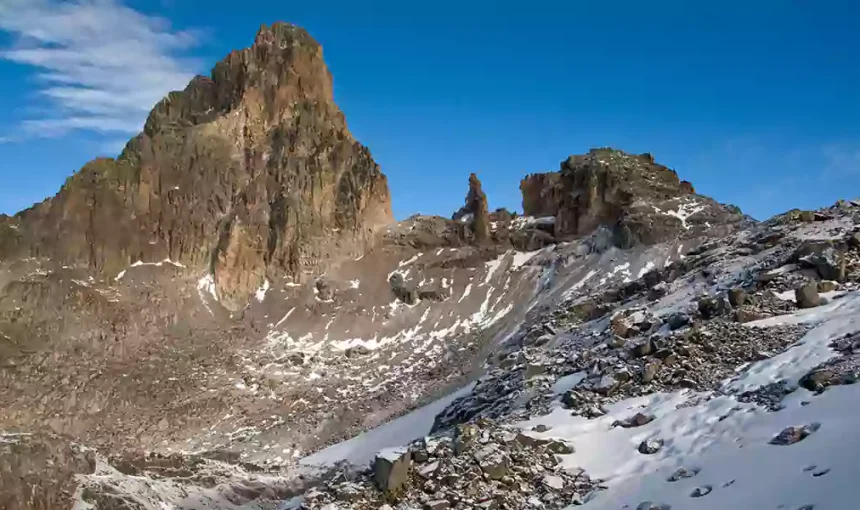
99,66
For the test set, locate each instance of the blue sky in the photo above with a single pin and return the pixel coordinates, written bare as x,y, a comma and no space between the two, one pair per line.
756,103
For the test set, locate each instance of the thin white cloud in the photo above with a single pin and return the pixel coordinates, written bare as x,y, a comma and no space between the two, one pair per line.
100,66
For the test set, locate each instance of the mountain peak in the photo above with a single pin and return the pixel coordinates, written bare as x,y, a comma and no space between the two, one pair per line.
244,173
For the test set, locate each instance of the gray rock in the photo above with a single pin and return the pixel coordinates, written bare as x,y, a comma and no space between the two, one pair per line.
824,257
391,469
683,473
807,296
493,462
792,435
699,492
553,482
650,371
559,447
678,320
637,420
439,504
534,370
643,348
650,446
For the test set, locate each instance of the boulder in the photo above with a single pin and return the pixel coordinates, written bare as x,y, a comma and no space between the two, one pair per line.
824,257
683,473
391,469
650,446
807,296
817,380
713,306
737,297
637,420
678,320
493,462
559,447
643,348
650,371
402,291
792,435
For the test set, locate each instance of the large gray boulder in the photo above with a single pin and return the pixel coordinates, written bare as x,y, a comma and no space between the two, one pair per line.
391,469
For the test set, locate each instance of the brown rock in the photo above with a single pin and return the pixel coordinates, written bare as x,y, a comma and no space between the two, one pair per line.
737,297
542,194
476,212
219,180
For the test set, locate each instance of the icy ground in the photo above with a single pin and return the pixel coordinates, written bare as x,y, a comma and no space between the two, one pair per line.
726,444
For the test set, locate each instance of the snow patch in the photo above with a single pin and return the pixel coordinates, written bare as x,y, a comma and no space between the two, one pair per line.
261,292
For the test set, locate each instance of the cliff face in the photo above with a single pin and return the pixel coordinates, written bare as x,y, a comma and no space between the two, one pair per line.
542,194
639,199
249,172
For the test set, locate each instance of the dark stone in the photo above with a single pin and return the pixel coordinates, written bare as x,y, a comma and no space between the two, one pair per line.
699,492
713,306
678,320
683,473
637,420
358,350
650,446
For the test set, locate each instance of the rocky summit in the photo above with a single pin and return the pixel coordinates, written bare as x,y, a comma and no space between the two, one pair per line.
228,316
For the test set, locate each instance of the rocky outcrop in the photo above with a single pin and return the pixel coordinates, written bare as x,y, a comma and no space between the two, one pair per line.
248,172
542,194
475,212
641,201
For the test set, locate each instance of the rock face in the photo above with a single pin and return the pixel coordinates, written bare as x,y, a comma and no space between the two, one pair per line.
248,172
542,194
475,212
640,200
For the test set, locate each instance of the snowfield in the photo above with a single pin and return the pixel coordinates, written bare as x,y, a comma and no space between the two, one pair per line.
725,443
